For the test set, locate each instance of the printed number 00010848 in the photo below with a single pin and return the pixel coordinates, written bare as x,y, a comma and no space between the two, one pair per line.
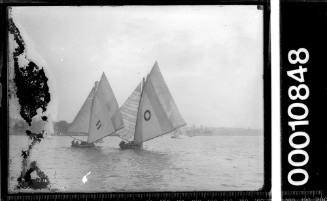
298,93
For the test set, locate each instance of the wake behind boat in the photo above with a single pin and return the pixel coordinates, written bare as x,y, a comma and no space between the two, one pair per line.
98,117
149,112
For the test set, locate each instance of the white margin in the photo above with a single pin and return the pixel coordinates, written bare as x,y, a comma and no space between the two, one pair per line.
275,100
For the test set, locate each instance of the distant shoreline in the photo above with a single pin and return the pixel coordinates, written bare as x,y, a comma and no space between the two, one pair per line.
18,127
186,132
222,132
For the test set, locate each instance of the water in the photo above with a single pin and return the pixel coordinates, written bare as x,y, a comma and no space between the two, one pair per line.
165,164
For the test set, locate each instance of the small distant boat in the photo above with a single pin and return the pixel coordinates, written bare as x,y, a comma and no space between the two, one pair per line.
100,140
176,134
98,117
150,111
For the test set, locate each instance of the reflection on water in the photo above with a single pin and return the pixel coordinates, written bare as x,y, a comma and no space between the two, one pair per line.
164,164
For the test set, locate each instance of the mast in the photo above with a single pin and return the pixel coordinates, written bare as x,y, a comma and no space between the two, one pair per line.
92,104
138,111
82,118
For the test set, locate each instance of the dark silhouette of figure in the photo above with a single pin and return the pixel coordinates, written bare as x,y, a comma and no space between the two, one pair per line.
27,176
35,136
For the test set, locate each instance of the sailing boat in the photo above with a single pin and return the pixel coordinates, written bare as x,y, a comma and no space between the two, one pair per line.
98,117
176,134
150,111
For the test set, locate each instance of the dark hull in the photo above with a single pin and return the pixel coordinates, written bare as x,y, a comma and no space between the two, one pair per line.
86,145
130,146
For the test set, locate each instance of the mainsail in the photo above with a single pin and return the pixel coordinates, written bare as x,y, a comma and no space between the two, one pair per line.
129,113
81,122
99,115
157,113
105,116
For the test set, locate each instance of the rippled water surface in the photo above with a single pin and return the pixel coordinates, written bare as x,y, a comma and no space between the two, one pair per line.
164,164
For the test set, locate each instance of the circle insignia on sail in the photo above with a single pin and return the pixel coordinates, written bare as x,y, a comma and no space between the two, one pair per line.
147,115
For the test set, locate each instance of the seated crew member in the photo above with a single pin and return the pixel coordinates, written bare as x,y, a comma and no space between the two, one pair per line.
122,143
34,135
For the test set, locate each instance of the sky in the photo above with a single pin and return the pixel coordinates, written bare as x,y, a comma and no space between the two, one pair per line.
211,57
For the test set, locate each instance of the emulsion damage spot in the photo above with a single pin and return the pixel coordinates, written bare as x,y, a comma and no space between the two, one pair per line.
33,93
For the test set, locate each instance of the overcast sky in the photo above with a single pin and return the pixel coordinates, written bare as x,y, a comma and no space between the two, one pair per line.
211,57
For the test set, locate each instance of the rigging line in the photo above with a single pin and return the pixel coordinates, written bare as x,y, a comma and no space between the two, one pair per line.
92,105
138,109
110,134
166,132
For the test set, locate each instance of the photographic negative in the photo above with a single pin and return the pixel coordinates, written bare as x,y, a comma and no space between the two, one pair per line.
137,99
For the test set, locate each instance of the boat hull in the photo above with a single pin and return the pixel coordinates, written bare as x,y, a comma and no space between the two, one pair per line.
83,145
130,145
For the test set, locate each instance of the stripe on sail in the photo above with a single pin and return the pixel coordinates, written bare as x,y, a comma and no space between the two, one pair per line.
129,113
158,113
105,116
81,122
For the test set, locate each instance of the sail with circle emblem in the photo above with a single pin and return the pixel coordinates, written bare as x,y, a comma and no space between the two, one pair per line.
157,113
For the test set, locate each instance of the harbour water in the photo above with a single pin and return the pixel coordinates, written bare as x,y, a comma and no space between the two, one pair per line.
199,163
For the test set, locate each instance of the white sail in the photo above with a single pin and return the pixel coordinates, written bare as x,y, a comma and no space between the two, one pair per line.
158,113
81,122
105,115
129,113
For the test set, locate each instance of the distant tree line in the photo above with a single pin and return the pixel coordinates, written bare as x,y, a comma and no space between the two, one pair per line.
61,127
19,126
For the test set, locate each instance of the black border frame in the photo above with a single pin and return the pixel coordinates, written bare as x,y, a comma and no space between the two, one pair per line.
311,15
263,193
